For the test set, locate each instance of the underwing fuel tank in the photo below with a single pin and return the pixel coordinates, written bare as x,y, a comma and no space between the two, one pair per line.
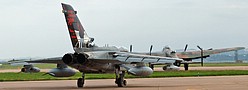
30,69
140,71
171,68
61,72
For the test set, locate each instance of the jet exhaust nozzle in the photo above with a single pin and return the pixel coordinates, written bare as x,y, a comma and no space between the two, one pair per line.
75,58
68,58
82,58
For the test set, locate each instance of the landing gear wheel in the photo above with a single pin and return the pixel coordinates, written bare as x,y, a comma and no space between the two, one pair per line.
124,82
23,70
119,80
177,64
121,83
186,67
80,82
151,66
164,68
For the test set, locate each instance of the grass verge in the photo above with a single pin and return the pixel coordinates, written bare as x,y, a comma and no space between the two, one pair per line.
39,76
212,65
41,66
49,66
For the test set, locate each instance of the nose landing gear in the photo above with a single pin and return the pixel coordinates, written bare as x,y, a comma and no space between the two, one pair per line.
80,81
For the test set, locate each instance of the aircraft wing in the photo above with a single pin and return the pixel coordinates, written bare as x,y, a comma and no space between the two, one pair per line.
206,53
136,58
56,60
115,57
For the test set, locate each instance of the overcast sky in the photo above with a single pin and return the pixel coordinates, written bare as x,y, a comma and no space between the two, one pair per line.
37,28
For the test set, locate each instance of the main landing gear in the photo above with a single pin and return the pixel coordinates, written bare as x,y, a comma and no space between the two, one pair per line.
186,66
80,81
119,80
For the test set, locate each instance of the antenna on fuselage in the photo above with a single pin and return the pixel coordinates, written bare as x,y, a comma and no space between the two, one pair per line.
185,48
131,48
150,52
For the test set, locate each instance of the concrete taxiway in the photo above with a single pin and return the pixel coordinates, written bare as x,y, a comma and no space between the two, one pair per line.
175,83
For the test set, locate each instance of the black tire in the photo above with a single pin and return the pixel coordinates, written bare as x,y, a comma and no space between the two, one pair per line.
164,68
151,66
186,67
121,82
23,70
125,83
177,64
80,82
116,81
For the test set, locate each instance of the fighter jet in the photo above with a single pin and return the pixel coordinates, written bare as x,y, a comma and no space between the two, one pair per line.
90,58
187,56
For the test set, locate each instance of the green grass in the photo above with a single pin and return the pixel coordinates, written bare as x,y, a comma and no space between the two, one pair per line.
41,66
39,76
49,66
218,64
212,65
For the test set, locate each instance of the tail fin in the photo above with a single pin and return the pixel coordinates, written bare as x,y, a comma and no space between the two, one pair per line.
75,28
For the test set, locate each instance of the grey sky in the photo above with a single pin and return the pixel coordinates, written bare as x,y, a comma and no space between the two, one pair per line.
37,28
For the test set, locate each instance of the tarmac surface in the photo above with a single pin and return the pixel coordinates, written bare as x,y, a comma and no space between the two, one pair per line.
175,83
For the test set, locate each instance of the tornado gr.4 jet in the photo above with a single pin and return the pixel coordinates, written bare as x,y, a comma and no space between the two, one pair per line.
89,58
187,56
